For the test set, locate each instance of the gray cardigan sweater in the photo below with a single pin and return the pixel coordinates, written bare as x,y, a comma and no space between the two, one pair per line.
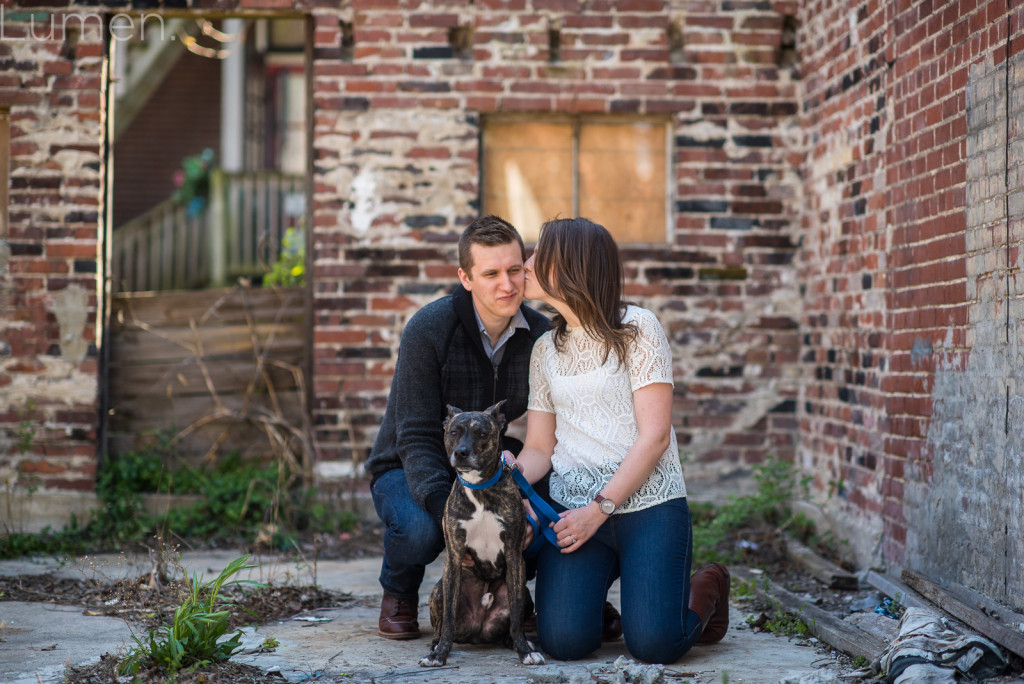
441,361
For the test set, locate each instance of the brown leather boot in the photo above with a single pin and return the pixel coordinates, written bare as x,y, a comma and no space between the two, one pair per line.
709,598
398,618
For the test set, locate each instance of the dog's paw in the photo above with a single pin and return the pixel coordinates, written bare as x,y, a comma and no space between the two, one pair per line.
533,658
432,660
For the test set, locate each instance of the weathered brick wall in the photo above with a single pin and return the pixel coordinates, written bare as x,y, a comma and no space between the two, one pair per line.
840,285
396,157
50,81
843,265
912,315
396,124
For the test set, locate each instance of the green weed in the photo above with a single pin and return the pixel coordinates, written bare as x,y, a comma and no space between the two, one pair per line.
291,265
713,527
194,635
235,499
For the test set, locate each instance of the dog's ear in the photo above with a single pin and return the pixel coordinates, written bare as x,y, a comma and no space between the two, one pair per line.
452,411
496,412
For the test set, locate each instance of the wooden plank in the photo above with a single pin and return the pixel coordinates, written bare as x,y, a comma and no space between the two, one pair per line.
138,346
179,253
841,635
116,265
275,226
826,572
157,384
224,305
965,604
245,224
249,440
142,413
186,378
129,318
164,263
138,280
198,262
900,592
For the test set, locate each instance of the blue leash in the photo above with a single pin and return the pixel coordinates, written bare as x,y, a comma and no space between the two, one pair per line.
546,514
541,528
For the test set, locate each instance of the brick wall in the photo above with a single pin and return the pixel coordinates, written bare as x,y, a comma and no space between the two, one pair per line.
840,286
396,122
912,314
396,158
844,266
50,81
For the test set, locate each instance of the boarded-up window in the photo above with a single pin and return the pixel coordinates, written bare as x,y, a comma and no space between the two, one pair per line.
611,170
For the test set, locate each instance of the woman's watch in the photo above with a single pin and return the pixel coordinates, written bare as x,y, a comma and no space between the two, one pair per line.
606,505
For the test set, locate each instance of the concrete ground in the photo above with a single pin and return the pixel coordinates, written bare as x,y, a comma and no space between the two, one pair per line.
37,640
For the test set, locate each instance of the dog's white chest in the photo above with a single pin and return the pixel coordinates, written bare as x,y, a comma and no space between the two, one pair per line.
483,532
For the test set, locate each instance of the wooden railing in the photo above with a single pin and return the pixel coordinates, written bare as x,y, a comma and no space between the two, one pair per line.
239,233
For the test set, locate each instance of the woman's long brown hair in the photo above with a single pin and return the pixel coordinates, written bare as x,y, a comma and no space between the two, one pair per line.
577,261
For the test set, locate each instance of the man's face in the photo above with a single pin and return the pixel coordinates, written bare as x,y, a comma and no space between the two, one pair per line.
495,280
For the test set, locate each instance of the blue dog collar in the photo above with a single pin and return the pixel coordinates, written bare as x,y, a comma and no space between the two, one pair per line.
483,485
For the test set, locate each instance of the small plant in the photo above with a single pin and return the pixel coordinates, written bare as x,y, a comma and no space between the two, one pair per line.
25,433
860,662
290,268
744,589
769,505
778,620
194,635
784,623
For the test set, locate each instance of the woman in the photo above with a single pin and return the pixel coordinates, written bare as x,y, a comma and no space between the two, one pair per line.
599,417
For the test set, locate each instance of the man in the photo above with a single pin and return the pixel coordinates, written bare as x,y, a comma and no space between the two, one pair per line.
469,349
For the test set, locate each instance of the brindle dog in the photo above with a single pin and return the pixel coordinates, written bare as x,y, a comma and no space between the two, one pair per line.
482,595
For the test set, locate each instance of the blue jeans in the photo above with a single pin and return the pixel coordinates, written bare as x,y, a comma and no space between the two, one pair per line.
412,538
649,551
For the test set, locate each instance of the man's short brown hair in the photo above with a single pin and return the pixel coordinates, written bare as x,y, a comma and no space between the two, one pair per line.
487,231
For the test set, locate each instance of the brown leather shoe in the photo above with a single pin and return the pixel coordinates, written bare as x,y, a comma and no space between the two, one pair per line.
398,618
612,623
709,598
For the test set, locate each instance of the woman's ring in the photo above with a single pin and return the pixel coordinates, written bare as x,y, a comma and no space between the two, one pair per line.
573,539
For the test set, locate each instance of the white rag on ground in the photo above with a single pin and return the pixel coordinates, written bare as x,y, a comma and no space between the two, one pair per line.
928,649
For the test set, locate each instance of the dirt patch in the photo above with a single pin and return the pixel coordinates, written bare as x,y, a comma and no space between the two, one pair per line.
228,672
146,603
366,539
150,598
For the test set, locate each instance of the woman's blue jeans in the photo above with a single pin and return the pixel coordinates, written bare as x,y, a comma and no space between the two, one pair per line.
412,538
649,551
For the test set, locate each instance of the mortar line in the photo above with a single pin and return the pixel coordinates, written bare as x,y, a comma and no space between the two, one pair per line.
1006,200
1006,177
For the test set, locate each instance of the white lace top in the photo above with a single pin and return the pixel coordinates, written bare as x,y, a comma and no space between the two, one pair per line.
593,405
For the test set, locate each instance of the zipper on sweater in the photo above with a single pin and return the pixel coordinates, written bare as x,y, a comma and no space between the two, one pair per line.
494,388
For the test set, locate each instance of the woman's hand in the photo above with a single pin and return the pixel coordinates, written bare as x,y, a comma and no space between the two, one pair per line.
577,525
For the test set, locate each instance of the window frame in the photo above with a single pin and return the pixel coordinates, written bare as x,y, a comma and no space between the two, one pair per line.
578,121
